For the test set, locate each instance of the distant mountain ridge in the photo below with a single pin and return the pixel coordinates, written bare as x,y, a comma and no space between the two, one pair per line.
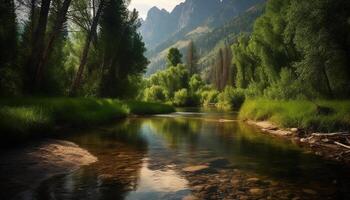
162,29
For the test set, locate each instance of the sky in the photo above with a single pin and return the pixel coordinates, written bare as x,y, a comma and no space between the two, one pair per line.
144,5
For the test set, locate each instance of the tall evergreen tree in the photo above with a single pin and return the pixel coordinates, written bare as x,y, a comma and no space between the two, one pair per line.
192,58
174,57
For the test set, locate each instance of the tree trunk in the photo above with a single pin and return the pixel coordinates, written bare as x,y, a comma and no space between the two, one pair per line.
83,60
38,41
32,14
61,17
329,88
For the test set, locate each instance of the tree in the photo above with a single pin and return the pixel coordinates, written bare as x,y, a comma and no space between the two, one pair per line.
174,57
244,62
8,50
121,48
227,69
60,19
90,34
37,46
219,70
320,32
192,58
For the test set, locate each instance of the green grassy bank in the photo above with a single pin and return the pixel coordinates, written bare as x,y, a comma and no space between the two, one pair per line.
26,117
325,116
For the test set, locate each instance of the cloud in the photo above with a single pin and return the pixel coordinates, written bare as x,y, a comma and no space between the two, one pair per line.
144,5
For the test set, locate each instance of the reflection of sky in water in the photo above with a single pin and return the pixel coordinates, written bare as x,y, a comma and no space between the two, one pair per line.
158,184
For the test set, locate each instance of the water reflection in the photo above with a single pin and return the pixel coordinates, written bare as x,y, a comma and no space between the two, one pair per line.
143,158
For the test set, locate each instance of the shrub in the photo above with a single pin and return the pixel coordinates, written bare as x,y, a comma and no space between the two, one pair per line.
196,83
155,94
287,87
181,97
231,98
208,97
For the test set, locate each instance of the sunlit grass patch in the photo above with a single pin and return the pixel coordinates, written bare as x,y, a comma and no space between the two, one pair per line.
302,114
22,120
26,117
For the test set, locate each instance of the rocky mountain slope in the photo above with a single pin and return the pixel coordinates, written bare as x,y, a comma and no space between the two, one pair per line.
191,20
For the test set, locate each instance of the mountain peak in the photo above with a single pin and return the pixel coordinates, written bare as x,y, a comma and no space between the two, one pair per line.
160,25
156,12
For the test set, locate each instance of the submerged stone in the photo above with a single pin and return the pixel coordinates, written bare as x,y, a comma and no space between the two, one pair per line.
256,191
196,168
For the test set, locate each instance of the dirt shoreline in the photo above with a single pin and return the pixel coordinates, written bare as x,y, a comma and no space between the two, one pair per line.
331,146
26,168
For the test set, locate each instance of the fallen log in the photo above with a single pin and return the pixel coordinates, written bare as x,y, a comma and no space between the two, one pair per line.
343,145
330,134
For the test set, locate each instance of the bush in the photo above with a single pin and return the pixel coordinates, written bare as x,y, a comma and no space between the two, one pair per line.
231,99
181,97
209,97
196,83
287,87
155,94
171,79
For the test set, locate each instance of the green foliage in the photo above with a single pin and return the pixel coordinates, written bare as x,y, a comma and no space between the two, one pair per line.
287,87
123,50
298,49
181,97
209,97
28,117
9,71
172,79
299,113
196,84
244,61
174,57
155,93
231,99
320,32
23,120
45,59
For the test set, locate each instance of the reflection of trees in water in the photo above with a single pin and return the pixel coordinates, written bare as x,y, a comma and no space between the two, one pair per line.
176,131
120,151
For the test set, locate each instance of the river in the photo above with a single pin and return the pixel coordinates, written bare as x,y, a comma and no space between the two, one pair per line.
193,154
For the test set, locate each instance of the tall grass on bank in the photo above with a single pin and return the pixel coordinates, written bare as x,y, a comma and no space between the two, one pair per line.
22,118
301,114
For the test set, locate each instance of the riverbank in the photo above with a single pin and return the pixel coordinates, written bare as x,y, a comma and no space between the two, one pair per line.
24,118
322,127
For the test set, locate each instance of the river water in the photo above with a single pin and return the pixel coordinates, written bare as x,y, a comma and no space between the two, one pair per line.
194,154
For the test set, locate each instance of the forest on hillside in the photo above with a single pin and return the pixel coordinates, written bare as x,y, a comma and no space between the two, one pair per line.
297,50
294,50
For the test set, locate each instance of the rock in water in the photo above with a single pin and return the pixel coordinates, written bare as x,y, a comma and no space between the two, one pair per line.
256,191
309,191
196,169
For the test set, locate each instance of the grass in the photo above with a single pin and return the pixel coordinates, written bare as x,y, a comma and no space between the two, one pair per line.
301,114
21,118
